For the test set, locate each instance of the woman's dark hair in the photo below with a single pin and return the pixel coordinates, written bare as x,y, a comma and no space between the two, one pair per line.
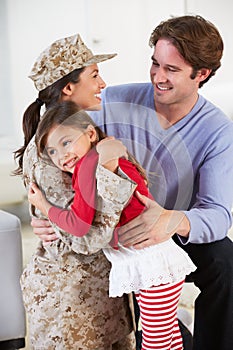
49,96
196,39
68,113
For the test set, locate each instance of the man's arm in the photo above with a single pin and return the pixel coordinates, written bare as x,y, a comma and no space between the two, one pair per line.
43,229
209,218
154,225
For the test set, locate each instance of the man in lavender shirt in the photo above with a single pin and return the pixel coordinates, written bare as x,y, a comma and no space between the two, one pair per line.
186,145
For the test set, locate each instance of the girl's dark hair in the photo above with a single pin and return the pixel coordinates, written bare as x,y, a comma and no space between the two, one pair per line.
49,96
67,113
197,40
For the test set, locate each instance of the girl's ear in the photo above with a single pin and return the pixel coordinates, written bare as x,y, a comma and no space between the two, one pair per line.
91,131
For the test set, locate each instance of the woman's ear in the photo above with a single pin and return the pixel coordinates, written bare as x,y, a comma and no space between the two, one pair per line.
92,133
68,90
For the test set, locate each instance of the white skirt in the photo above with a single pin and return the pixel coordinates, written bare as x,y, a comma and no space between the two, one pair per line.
133,269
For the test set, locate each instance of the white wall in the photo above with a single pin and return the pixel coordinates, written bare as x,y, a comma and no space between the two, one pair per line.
220,88
32,26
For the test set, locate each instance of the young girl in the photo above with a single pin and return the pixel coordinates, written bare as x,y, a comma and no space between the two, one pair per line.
156,274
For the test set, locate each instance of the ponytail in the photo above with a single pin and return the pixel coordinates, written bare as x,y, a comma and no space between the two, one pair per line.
31,120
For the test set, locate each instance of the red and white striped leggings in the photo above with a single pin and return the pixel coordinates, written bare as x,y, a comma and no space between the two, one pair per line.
158,312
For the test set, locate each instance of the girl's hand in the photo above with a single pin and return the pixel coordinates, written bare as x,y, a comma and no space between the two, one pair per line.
110,150
36,198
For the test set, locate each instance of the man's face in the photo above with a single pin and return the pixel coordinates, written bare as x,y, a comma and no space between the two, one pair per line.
170,75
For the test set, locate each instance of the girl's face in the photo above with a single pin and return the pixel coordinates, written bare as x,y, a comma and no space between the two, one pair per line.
86,93
66,145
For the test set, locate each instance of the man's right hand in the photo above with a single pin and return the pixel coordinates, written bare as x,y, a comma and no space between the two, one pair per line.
43,230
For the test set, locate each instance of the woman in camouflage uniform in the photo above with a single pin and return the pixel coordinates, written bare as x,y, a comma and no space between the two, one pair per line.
65,284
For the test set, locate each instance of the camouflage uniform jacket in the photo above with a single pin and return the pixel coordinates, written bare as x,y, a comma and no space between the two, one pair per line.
65,284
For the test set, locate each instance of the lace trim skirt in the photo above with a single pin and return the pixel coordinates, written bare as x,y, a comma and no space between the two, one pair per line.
133,269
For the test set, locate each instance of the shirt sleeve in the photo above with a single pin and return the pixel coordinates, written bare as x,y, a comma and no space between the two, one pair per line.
69,221
210,217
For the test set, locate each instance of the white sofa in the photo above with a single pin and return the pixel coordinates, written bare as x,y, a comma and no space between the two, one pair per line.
12,313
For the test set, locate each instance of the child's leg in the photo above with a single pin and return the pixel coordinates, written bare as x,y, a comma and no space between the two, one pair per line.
158,311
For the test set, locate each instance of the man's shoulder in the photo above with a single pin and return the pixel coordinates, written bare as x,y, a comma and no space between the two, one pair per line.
213,121
129,86
213,113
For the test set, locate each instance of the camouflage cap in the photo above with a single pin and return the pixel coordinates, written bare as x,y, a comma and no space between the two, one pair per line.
61,58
